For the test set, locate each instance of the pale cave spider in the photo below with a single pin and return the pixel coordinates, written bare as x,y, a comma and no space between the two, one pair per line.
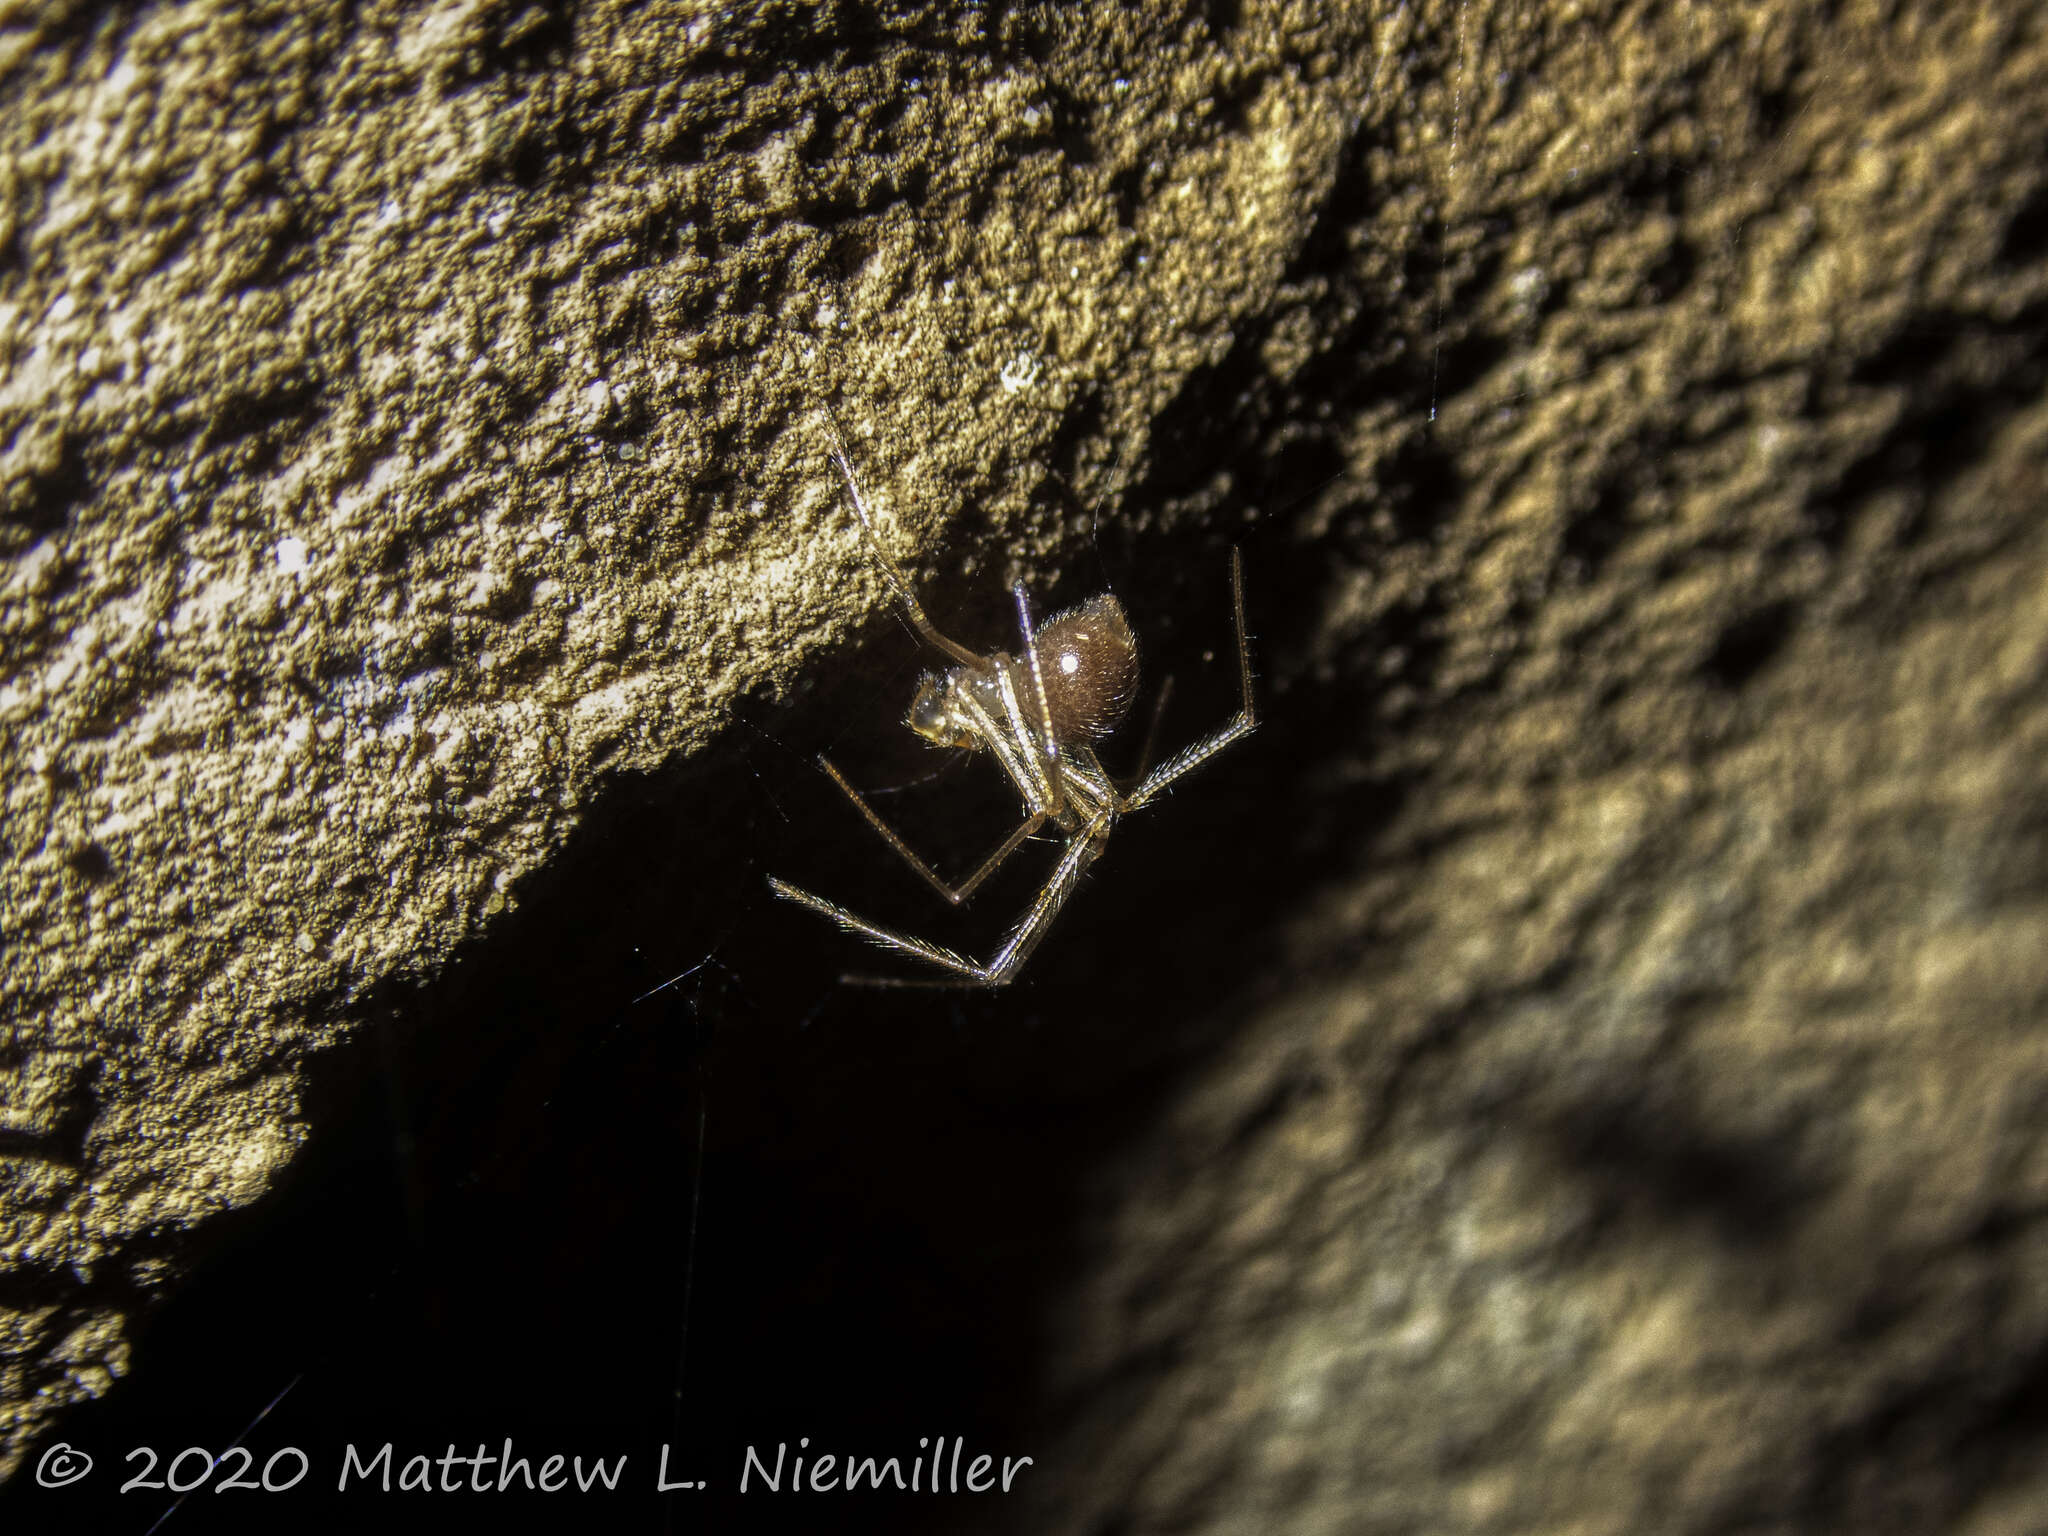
1040,717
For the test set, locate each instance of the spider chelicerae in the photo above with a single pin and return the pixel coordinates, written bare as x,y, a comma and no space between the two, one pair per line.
1040,715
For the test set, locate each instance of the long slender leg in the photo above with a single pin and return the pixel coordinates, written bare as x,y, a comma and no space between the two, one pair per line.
1027,743
890,573
1002,968
1048,743
1013,754
1085,773
956,894
888,938
1240,727
1085,848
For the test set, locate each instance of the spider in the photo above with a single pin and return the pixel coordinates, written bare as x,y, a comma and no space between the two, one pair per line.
1040,716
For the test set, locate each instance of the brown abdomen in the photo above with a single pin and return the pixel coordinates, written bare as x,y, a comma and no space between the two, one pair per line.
1090,660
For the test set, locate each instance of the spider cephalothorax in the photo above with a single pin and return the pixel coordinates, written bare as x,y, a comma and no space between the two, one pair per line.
1088,659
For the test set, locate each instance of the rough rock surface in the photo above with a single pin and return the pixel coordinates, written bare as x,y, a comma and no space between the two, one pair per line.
1601,1079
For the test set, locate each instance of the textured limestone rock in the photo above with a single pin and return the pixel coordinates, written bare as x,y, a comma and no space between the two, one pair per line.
328,603
1603,1078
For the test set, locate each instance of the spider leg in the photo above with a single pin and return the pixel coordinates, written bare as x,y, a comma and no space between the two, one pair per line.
1091,789
1082,850
1010,749
890,573
1048,743
956,894
1241,726
972,975
1026,745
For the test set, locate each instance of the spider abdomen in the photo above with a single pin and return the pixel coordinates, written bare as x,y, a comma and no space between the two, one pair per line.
1090,660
